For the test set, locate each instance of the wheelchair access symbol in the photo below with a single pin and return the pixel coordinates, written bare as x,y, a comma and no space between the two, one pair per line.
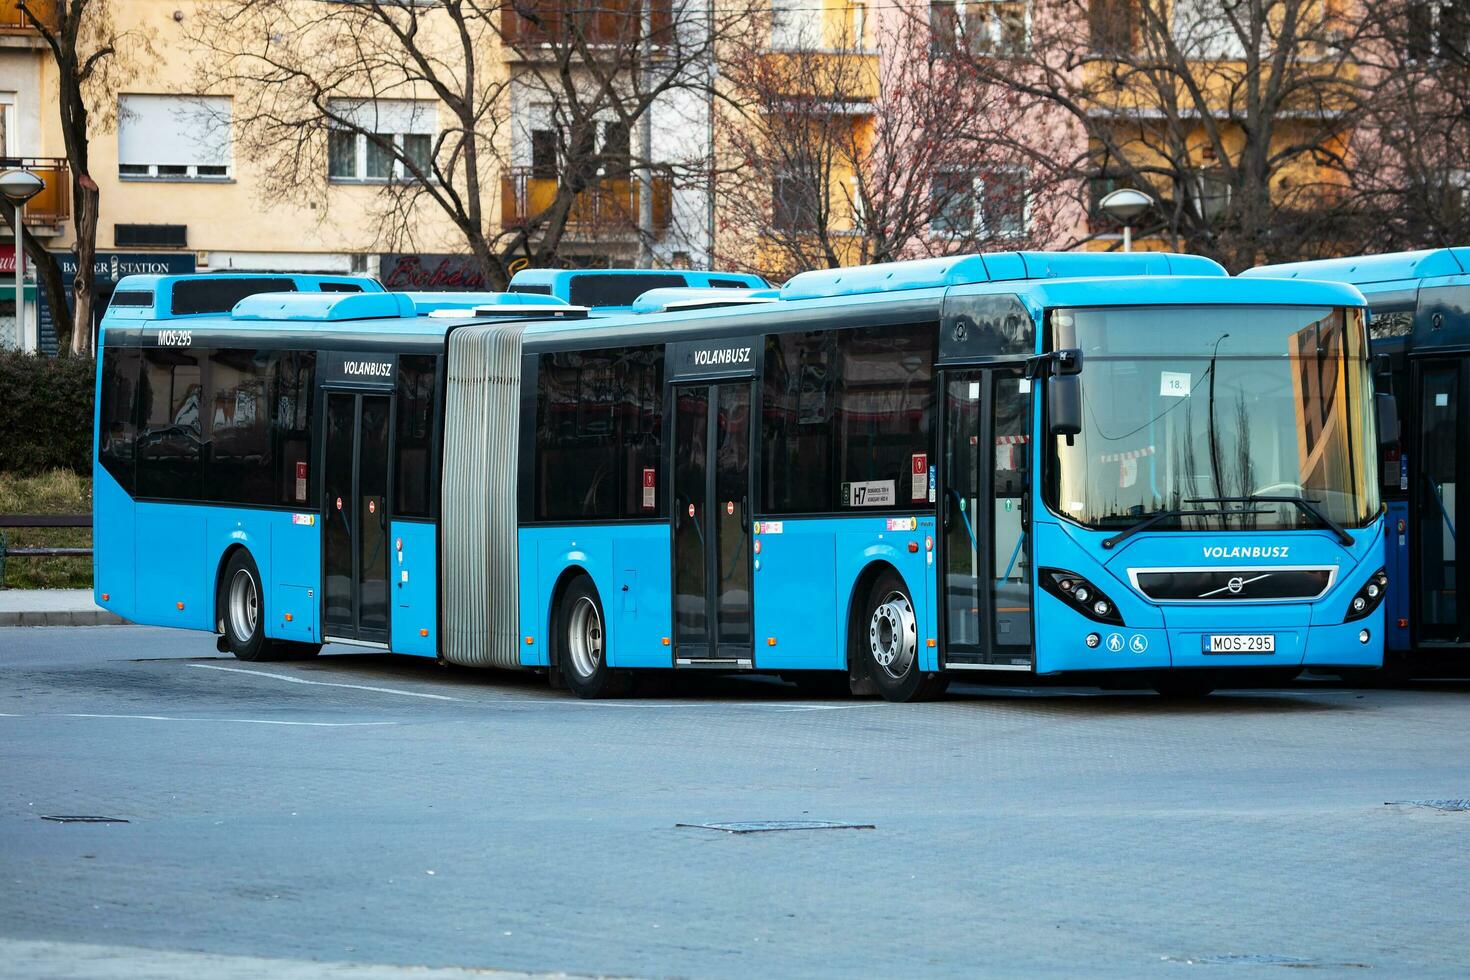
1138,643
1115,642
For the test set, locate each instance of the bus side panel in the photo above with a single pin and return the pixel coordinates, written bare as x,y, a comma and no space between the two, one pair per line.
1396,562
632,555
796,597
174,586
293,579
898,541
412,571
112,545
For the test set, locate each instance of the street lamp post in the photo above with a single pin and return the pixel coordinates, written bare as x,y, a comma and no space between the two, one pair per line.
1125,205
18,187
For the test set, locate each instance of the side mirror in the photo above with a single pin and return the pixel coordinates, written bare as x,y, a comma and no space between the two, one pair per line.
1388,418
1064,405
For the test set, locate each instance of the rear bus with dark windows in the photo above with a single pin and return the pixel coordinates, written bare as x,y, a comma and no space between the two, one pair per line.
1419,330
1128,467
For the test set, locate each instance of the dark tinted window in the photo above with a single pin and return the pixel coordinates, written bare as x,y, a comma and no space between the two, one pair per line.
414,487
796,440
132,297
291,427
536,288
885,414
616,290
170,434
241,463
847,419
150,236
728,284
599,419
339,287
206,295
116,413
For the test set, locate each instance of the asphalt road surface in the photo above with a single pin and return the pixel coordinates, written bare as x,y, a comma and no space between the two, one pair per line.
355,814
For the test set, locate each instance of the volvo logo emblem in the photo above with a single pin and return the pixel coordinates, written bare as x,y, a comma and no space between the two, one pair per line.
1235,585
960,332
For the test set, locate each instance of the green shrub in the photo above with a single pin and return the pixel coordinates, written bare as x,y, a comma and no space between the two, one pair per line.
45,413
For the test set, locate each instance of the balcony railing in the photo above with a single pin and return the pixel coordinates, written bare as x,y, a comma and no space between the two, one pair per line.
608,206
53,205
14,21
527,23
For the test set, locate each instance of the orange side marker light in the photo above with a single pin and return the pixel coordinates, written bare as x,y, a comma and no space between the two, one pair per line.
423,632
530,640
179,604
931,642
770,641
105,597
289,617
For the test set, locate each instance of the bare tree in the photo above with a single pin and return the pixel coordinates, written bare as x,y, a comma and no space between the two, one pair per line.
865,154
1413,146
590,72
1235,114
92,60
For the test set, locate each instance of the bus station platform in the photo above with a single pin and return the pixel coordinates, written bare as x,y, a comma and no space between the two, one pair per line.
53,607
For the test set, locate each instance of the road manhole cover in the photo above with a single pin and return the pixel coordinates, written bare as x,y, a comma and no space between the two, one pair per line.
80,818
769,826
1452,806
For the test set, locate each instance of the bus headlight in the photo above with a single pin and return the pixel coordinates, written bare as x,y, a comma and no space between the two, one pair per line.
1369,597
1081,595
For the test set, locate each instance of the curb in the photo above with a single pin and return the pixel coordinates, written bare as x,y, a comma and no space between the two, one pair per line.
71,617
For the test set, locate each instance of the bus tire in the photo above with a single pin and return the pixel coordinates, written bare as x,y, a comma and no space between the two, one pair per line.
888,641
581,644
241,611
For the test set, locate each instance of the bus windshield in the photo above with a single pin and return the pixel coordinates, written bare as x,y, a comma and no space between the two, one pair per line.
1192,409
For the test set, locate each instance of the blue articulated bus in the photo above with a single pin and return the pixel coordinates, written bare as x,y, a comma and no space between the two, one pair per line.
1419,334
618,289
1127,468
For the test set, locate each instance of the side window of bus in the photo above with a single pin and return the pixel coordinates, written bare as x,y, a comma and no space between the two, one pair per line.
291,424
851,407
117,426
239,469
413,490
599,417
797,395
170,428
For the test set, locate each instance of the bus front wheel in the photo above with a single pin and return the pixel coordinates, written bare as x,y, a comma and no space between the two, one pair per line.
889,642
581,644
242,614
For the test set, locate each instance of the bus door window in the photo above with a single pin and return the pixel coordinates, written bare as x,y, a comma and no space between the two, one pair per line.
732,513
987,576
355,541
691,430
1438,498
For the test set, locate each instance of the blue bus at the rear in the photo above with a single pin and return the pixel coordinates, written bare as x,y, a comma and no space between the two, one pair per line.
1419,332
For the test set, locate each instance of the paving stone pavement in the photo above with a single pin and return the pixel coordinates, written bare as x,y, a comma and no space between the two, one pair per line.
360,810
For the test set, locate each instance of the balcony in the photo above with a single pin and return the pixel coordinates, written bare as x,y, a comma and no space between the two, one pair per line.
13,20
607,208
529,24
53,205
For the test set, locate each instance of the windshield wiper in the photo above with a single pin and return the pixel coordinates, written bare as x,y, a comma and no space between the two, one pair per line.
1165,515
1306,506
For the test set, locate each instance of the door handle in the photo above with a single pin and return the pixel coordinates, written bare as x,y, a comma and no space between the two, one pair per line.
745,514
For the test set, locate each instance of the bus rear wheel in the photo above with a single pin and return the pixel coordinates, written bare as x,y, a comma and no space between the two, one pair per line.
241,614
888,641
581,644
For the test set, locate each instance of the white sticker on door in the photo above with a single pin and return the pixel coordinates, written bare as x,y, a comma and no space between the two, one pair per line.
868,493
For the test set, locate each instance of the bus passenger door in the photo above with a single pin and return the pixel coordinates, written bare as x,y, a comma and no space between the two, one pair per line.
711,525
355,526
1439,467
983,514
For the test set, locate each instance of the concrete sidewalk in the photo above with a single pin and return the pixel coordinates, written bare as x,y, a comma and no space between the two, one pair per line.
53,607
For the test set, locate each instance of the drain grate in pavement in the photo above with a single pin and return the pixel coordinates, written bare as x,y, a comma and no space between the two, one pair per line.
1452,806
769,826
80,818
